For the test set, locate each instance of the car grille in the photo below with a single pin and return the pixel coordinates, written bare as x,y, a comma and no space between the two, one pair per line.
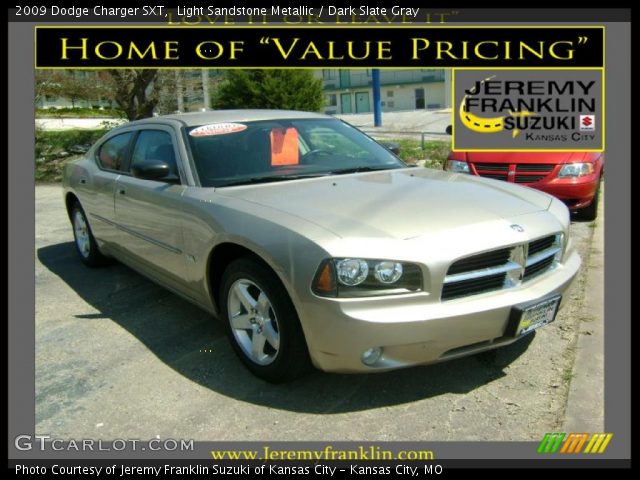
500,269
534,167
495,167
497,171
518,173
495,176
528,178
540,245
484,260
538,268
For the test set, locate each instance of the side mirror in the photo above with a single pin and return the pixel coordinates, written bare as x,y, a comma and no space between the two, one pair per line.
392,147
151,170
448,130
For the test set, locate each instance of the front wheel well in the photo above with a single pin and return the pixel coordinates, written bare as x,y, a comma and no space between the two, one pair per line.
220,258
70,200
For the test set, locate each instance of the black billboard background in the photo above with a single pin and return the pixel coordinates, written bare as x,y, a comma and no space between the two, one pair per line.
258,54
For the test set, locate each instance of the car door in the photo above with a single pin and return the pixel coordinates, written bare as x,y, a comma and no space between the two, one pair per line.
97,190
148,212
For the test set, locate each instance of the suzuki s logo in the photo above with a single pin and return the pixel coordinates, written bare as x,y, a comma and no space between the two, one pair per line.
517,228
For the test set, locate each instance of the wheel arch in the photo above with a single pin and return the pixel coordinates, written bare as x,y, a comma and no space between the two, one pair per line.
221,256
70,199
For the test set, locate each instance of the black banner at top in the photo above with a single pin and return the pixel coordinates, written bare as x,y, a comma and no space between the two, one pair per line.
319,47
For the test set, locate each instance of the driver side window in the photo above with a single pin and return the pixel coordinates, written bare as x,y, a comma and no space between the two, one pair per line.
327,139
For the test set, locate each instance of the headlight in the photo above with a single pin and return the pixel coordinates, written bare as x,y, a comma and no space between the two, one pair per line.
356,277
457,166
388,272
573,170
352,271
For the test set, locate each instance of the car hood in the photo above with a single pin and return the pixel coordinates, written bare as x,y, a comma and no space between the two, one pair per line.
401,204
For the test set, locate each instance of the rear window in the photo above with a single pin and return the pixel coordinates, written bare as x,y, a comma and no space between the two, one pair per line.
112,153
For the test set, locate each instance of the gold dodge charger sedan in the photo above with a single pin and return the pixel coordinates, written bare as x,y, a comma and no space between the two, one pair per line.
315,245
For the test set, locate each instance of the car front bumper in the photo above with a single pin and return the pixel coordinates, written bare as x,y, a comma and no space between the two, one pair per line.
576,193
413,330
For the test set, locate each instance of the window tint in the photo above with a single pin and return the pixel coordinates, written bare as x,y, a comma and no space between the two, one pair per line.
280,148
155,145
113,151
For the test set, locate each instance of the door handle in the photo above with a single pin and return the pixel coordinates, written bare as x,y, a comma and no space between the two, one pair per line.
83,181
121,191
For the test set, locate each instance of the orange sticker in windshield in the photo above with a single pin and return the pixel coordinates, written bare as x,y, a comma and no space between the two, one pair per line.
284,146
217,129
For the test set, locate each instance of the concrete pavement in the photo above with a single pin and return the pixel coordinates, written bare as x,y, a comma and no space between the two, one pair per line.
585,403
410,124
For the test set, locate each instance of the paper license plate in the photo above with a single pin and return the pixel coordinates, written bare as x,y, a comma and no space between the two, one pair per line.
534,315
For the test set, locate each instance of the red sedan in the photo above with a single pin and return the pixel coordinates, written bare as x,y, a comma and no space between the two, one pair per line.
573,177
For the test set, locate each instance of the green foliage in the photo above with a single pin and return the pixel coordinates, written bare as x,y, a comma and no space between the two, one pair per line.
434,153
273,89
53,140
53,149
78,113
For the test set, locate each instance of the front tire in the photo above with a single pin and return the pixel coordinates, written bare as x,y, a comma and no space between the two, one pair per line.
85,242
261,322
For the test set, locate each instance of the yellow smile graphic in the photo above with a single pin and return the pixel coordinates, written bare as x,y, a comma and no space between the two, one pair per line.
479,124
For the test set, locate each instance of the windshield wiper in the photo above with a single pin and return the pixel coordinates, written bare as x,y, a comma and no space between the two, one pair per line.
270,179
344,171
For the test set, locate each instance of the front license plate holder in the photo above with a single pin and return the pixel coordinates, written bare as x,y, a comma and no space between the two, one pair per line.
528,317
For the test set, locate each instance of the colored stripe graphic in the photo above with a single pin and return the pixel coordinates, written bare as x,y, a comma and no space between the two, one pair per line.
598,442
574,443
550,443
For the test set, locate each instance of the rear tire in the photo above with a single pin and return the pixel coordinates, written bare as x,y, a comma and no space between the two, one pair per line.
85,242
590,212
261,322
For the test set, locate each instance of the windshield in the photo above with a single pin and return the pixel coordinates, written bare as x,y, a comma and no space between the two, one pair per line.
227,154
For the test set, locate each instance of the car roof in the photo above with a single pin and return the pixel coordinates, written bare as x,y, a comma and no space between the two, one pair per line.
215,116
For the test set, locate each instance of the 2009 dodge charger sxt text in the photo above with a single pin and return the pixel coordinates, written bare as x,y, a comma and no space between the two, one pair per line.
315,244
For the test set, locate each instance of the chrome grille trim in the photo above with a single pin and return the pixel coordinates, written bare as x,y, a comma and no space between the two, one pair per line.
538,257
484,272
519,267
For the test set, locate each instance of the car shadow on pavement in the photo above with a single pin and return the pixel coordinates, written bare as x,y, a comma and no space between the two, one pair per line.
193,343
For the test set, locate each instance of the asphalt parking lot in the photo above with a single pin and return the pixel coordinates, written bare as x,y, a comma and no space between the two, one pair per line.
119,357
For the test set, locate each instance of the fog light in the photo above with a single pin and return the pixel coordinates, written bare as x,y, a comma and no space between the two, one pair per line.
371,356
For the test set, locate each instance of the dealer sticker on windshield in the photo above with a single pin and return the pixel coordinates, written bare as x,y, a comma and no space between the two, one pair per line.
217,129
530,317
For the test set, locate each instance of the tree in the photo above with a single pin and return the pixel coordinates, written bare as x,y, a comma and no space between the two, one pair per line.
71,84
133,91
47,84
75,86
277,89
167,86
